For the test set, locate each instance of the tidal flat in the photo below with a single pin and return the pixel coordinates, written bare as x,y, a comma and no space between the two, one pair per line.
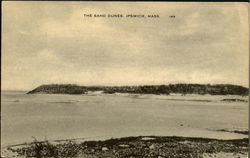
99,117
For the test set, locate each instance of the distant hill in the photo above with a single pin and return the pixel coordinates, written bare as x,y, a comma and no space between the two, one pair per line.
217,89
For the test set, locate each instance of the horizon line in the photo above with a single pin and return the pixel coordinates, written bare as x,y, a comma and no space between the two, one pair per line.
122,85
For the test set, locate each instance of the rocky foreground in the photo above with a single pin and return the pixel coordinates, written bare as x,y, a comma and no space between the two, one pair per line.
137,147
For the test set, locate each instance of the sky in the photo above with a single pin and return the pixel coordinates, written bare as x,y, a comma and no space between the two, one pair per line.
52,42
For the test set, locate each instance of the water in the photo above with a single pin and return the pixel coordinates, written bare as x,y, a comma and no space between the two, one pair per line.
50,117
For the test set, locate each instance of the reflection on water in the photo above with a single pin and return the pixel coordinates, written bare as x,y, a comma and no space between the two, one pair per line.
54,116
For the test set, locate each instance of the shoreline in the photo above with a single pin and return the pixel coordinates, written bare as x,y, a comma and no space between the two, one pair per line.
171,97
138,146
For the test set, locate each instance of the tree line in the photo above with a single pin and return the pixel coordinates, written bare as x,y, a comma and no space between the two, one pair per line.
217,89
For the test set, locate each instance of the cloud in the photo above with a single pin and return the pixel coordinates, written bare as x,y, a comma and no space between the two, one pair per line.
53,43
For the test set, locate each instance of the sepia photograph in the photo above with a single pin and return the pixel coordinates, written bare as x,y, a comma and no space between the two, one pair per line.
85,79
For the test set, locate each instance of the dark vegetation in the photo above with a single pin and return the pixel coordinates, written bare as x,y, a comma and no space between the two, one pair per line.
219,89
155,147
234,100
234,131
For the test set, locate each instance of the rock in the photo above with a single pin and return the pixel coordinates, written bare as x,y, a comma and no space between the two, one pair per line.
124,145
147,138
104,149
152,146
